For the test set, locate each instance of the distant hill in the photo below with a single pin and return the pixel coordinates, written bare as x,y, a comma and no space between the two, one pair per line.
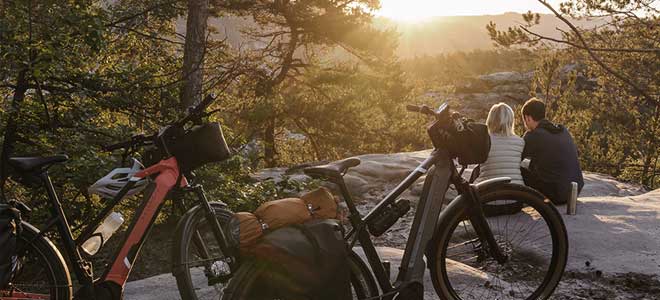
432,36
461,33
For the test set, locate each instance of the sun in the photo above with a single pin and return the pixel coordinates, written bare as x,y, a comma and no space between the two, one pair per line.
410,10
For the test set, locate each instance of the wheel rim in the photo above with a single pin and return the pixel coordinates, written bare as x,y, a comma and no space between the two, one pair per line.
202,271
527,240
34,277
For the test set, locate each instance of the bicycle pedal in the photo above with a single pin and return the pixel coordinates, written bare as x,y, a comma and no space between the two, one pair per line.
218,279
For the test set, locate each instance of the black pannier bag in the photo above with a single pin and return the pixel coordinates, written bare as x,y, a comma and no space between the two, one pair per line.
308,261
10,228
466,140
200,145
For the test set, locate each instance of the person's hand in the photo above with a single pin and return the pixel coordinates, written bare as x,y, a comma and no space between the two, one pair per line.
525,163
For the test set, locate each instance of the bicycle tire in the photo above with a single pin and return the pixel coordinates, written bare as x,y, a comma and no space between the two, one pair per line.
189,281
242,285
455,214
39,260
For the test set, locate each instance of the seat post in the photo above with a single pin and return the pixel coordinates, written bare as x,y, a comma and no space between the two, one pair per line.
65,231
355,214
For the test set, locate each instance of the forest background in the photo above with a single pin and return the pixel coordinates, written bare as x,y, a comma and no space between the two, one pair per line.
307,81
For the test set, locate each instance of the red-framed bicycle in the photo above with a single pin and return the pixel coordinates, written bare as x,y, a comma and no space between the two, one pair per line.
201,248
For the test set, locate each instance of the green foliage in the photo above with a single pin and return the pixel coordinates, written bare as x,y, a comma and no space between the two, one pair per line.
96,73
610,99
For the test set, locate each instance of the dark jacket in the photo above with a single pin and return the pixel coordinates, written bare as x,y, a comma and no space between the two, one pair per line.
554,161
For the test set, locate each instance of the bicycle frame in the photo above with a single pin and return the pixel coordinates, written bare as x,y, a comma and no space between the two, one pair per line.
440,171
167,176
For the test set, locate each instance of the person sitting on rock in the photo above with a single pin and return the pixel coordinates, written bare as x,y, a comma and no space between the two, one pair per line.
506,147
551,153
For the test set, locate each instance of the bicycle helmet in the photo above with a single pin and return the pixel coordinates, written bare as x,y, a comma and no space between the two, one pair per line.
110,185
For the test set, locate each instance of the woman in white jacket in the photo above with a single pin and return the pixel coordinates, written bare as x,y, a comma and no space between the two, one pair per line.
506,147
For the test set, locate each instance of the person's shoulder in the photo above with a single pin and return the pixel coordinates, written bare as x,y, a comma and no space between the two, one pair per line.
530,134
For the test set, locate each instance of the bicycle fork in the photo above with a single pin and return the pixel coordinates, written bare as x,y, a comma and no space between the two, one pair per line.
479,222
218,233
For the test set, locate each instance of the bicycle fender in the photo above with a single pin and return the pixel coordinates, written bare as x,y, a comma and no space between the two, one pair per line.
492,182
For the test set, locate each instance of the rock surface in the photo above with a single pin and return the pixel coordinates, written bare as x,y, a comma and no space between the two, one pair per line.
614,238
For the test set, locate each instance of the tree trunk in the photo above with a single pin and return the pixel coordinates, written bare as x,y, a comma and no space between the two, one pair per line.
12,126
270,152
193,53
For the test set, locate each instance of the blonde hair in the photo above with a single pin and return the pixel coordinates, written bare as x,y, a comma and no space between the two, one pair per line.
500,119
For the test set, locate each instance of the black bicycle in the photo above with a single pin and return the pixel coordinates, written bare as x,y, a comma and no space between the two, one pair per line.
495,240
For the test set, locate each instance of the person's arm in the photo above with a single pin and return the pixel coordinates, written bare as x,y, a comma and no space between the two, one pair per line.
528,153
528,150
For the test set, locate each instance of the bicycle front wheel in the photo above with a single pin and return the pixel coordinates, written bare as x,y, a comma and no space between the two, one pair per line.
197,254
40,271
528,229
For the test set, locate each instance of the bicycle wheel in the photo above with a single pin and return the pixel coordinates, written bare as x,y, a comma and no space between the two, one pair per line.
257,281
533,237
196,253
40,270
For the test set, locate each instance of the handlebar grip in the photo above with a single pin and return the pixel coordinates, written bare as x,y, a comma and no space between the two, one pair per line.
114,147
413,108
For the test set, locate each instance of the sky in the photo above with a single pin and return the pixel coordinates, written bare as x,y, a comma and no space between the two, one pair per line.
418,10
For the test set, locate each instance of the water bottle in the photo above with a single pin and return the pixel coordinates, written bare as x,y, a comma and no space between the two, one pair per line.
103,233
571,206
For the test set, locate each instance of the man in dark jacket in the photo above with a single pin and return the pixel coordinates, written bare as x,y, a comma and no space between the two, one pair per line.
552,153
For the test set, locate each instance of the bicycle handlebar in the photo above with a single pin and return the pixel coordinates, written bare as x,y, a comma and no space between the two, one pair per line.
135,140
423,109
140,139
196,111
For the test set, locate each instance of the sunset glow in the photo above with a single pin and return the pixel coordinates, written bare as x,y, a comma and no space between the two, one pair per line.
419,10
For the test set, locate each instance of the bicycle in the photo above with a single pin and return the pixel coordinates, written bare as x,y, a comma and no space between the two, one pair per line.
469,255
200,242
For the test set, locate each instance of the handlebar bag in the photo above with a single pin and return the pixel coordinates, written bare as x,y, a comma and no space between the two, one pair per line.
10,228
469,142
305,261
198,146
321,203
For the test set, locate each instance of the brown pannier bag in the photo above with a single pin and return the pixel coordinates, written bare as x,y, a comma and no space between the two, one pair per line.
321,203
251,229
279,213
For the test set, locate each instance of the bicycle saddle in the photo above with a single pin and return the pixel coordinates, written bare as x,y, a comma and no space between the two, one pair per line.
31,164
334,169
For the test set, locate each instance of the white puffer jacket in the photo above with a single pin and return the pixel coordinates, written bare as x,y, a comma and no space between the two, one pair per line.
503,159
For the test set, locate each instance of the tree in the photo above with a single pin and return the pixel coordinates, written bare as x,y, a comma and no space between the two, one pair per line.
288,35
193,53
621,58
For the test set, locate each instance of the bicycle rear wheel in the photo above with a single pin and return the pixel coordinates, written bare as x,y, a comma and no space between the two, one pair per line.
255,280
533,237
40,270
197,254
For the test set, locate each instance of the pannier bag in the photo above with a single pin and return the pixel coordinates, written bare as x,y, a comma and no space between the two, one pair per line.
279,213
310,260
10,228
251,229
321,203
470,143
200,145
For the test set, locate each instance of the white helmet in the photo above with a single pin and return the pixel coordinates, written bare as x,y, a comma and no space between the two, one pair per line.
110,185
